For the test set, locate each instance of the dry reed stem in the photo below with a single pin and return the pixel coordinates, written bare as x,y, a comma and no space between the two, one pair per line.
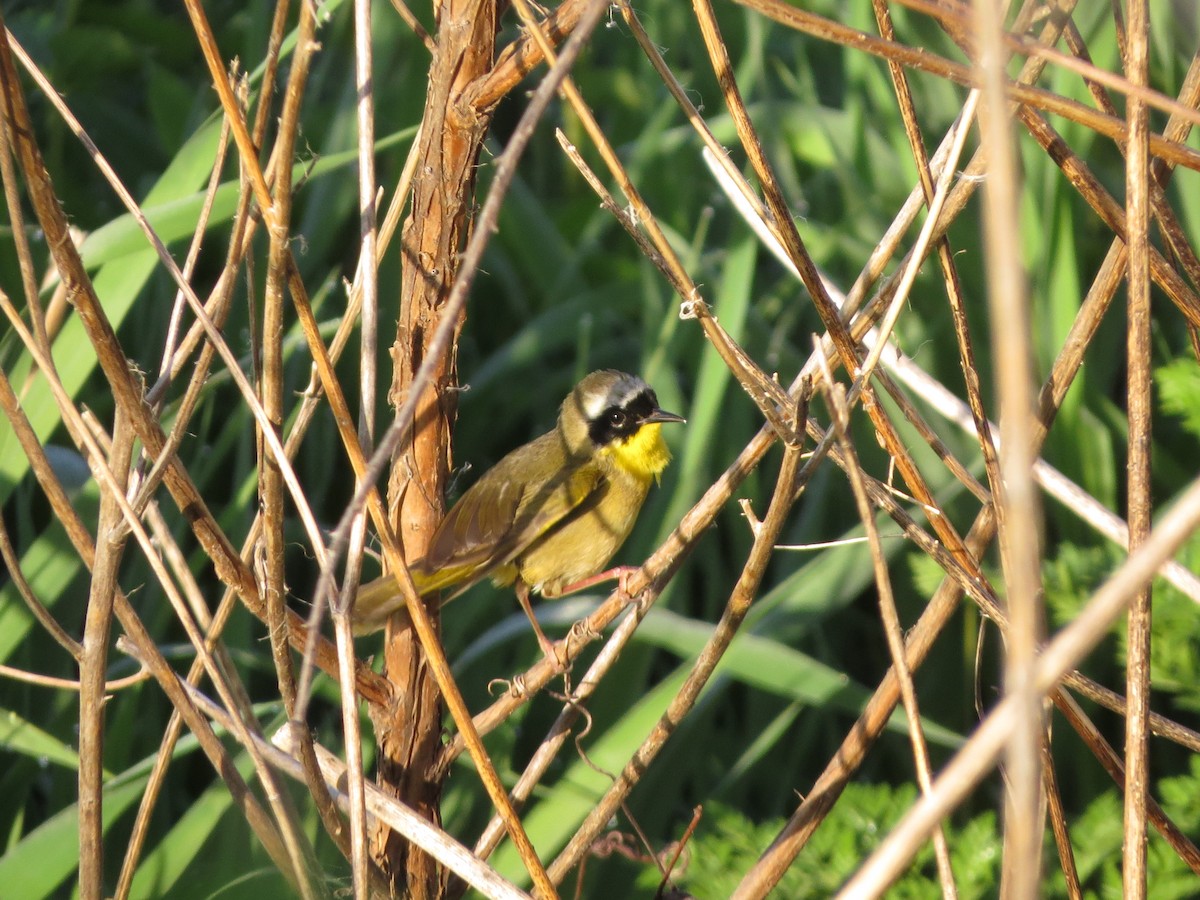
314,391
1017,503
1111,761
43,616
110,549
1138,410
71,684
945,253
367,277
247,147
1058,823
957,17
194,246
271,474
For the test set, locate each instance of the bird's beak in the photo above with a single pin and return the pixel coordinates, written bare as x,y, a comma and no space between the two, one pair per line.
661,415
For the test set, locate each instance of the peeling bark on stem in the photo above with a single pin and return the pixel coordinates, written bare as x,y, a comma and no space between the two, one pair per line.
452,137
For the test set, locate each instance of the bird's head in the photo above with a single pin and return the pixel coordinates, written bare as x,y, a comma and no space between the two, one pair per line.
616,415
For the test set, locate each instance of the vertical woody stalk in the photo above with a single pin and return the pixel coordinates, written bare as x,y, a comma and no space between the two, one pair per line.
452,134
1138,408
1017,506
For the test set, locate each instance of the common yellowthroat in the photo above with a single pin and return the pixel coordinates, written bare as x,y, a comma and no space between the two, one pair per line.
551,514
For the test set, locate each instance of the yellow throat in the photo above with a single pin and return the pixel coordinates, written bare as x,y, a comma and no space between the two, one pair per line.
643,454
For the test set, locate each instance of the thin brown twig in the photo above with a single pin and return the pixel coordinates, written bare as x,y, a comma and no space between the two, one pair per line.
839,415
1111,762
70,684
16,218
110,550
1058,823
525,54
945,254
44,617
409,19
320,376
272,476
247,147
193,252
368,281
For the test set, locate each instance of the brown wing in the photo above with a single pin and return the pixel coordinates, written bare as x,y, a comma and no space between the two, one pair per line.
512,505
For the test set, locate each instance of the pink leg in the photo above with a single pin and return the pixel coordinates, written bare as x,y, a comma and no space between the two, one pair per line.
620,573
543,641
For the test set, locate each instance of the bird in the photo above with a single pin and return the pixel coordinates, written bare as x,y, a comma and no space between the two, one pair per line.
549,516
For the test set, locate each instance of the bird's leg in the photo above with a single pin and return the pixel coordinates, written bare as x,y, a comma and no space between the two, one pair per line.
620,573
544,642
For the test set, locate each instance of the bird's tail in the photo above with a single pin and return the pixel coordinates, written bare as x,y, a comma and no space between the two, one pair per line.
378,600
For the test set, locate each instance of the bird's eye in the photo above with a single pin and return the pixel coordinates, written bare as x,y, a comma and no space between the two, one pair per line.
617,417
